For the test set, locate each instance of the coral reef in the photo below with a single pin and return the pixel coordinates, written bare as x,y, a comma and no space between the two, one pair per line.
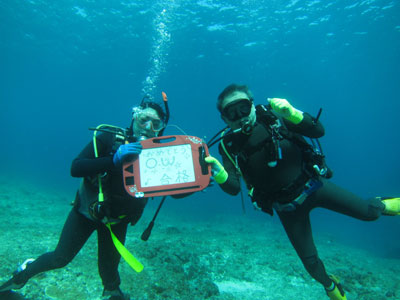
223,257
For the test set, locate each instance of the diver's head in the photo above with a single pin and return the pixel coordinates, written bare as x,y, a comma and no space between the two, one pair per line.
237,109
148,119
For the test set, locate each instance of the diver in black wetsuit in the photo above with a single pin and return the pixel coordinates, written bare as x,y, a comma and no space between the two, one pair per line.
266,147
89,214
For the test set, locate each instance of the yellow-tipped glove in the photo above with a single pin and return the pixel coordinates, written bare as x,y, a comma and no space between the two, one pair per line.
284,109
219,172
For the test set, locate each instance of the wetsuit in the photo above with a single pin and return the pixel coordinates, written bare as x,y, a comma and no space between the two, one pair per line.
80,224
285,181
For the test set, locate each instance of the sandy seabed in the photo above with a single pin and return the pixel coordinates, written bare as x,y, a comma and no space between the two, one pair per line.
221,258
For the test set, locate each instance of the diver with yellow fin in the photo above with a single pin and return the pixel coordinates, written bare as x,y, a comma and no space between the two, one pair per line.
102,203
284,173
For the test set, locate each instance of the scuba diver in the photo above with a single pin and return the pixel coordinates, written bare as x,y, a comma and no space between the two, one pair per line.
101,203
265,145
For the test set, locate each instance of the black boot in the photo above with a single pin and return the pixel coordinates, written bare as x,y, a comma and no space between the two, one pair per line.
116,294
18,280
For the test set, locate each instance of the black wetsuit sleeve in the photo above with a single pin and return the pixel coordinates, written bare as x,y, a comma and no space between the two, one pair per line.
232,184
86,164
307,127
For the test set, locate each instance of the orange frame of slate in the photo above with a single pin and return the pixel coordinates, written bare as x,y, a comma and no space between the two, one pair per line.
156,151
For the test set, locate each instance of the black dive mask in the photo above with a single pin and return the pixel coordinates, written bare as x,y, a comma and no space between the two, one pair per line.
237,110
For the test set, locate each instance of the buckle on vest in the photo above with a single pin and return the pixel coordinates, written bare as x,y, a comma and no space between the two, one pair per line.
310,187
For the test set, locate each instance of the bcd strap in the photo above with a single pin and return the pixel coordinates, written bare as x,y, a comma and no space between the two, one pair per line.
312,153
125,254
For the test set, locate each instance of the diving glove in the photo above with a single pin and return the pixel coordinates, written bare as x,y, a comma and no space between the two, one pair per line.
219,172
125,150
284,109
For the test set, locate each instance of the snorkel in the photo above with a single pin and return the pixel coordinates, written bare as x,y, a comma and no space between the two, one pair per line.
165,100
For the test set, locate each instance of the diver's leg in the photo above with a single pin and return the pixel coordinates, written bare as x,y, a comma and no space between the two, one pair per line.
109,258
337,199
298,228
75,233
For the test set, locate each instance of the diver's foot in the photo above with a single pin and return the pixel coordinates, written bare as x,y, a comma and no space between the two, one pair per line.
392,206
16,282
337,292
116,294
11,285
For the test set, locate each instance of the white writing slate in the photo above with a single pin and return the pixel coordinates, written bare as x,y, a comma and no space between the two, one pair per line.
166,165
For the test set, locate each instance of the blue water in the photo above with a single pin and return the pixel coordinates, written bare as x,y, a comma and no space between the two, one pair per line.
69,65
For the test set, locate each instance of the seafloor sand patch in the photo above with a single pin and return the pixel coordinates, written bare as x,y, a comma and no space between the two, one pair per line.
238,287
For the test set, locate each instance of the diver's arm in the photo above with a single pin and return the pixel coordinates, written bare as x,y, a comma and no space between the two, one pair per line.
296,120
307,127
85,164
232,184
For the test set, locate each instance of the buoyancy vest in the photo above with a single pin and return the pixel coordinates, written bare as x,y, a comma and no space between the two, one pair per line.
264,147
98,187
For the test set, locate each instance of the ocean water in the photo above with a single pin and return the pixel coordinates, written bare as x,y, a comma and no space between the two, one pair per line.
69,65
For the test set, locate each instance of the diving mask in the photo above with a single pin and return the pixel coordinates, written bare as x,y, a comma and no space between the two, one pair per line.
237,110
148,119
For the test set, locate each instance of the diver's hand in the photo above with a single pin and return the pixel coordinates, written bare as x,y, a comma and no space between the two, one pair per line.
126,150
284,109
219,172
